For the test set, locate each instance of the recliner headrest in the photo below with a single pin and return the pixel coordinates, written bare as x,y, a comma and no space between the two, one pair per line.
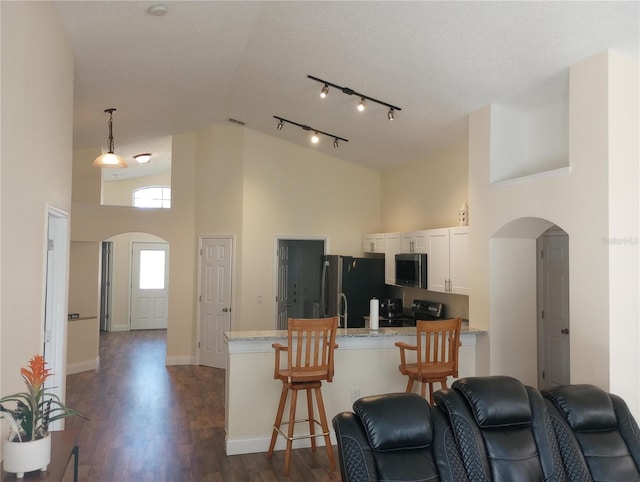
496,400
396,421
585,407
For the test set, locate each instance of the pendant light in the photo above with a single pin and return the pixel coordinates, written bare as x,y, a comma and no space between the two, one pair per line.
110,159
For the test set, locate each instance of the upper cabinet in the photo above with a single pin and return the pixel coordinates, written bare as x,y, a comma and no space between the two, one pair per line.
393,247
448,260
373,243
414,242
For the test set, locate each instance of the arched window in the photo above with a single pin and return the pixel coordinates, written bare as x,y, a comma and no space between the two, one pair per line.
152,197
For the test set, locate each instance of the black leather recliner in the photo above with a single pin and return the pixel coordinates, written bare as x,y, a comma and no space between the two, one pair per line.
490,429
598,426
500,428
391,437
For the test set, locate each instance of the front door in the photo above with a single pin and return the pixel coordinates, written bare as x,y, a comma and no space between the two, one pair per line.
149,285
553,316
215,299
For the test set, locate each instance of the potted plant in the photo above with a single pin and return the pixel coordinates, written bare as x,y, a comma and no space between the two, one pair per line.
28,446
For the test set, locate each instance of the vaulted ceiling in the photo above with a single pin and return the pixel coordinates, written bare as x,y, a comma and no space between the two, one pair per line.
205,62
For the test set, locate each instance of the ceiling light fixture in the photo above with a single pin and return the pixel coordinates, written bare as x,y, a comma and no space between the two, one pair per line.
110,159
325,91
144,158
315,138
349,91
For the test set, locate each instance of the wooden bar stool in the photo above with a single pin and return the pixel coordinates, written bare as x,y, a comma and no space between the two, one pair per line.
311,343
437,349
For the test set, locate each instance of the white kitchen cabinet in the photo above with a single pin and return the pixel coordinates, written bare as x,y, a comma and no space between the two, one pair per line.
393,245
414,242
448,260
373,243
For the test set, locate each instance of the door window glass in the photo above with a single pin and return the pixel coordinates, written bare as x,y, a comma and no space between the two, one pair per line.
152,269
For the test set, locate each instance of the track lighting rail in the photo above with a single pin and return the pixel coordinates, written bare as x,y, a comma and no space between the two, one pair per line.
282,120
349,91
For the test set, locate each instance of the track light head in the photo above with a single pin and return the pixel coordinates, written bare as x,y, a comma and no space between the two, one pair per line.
315,138
335,142
361,104
280,125
325,91
390,114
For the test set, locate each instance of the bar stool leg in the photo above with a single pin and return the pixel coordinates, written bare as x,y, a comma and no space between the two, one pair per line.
276,424
312,428
410,385
292,419
325,427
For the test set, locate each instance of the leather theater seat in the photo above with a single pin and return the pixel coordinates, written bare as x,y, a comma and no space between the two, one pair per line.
389,437
599,426
500,428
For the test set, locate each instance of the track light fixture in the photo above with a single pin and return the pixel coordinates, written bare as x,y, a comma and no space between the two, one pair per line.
110,159
315,133
348,91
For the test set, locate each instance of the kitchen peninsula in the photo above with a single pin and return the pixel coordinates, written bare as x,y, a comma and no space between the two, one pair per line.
366,363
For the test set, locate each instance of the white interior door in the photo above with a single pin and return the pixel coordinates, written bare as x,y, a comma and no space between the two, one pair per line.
149,285
554,315
216,258
55,318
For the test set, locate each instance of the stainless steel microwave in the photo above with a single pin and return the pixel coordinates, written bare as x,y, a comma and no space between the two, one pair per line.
411,270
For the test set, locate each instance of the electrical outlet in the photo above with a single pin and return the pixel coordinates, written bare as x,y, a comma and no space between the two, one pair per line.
355,394
260,299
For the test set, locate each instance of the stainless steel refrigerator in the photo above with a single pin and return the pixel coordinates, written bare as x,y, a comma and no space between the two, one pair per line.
347,286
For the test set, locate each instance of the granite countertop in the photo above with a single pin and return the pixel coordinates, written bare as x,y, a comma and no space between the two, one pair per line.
342,333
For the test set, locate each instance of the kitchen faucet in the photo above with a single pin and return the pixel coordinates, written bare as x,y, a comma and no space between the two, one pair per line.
342,296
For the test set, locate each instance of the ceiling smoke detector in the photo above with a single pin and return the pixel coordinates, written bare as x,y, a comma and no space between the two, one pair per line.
158,10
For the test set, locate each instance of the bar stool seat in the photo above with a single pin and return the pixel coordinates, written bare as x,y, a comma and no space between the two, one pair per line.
310,347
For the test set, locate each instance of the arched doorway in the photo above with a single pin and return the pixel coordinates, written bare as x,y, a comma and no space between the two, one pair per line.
516,302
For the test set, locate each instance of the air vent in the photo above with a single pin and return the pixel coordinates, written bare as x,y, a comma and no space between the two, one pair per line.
236,121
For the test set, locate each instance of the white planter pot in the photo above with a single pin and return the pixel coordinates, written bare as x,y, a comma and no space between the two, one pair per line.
21,457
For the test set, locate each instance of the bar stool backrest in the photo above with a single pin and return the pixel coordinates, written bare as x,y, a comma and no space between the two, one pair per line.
311,347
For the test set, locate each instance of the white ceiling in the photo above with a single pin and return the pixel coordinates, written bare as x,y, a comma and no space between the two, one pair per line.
207,61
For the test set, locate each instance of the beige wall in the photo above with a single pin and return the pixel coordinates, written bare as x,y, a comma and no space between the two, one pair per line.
507,218
86,179
84,278
426,193
292,191
36,151
120,193
255,187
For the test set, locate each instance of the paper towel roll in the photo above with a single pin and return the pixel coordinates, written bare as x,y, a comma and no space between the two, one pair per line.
374,311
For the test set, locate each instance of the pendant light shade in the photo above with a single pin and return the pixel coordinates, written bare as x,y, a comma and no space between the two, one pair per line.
110,159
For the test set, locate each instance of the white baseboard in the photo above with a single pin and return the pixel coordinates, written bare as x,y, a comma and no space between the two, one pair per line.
257,445
119,327
83,366
180,360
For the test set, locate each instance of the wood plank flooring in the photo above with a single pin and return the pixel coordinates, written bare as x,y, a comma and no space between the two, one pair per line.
150,422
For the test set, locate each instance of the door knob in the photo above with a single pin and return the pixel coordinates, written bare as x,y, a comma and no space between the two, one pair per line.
565,331
225,309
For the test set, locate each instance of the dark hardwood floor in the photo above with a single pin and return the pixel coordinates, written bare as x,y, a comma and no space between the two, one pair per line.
150,422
